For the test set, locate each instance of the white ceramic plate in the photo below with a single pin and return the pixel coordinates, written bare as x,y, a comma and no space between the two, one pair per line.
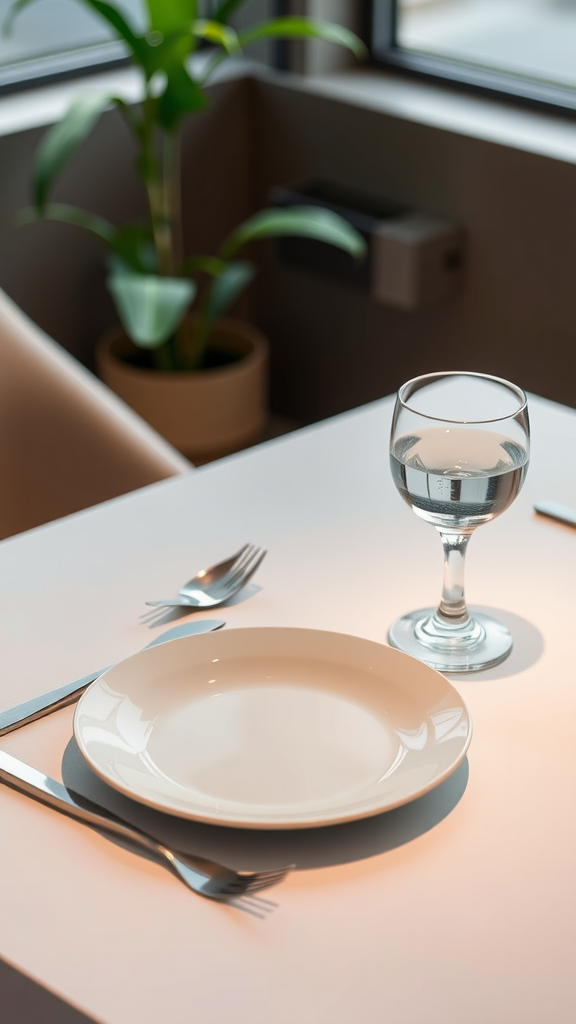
272,728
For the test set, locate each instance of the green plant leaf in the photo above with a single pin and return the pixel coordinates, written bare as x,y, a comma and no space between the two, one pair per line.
150,307
170,53
209,264
220,35
222,292
121,27
307,221
103,229
134,245
227,287
298,28
8,23
61,141
181,96
168,16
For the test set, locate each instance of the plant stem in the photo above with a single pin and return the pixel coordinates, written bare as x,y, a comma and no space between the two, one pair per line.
153,176
160,227
162,179
199,339
164,356
172,188
172,199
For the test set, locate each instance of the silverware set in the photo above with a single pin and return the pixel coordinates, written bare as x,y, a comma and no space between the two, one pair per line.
209,587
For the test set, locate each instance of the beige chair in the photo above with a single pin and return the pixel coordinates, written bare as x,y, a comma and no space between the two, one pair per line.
66,441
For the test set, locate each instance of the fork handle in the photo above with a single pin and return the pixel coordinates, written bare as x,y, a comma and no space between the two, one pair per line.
28,780
174,602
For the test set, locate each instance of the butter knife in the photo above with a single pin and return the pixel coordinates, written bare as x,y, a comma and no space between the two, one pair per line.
556,511
38,707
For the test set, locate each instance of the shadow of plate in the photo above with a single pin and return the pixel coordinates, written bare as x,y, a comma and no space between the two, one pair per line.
255,849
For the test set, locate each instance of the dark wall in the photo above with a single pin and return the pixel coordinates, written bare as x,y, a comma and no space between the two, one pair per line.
516,315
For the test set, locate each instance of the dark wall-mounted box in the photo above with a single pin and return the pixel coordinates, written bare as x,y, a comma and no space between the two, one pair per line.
413,257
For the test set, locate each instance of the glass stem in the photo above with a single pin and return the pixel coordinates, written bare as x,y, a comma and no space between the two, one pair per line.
452,609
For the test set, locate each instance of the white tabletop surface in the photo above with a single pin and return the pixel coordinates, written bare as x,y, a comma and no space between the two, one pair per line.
458,907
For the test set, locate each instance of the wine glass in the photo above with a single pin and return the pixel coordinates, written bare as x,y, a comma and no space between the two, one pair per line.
459,450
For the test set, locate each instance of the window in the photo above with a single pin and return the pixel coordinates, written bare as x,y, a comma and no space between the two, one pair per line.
523,48
55,38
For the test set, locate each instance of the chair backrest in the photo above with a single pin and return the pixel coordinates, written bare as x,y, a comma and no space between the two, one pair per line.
66,441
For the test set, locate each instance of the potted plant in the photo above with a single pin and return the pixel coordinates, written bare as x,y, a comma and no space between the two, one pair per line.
174,346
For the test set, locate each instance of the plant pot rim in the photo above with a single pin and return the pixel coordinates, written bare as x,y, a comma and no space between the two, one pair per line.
232,325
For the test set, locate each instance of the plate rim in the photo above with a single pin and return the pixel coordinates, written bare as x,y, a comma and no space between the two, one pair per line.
285,824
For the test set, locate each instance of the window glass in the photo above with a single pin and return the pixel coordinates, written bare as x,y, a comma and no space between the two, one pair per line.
52,27
534,39
52,38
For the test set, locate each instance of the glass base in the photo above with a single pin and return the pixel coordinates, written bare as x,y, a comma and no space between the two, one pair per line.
482,642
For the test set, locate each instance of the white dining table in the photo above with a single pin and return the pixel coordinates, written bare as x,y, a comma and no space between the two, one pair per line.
458,907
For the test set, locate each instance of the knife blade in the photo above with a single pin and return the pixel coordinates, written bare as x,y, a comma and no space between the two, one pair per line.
46,703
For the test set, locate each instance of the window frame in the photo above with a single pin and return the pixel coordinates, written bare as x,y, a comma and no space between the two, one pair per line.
381,18
57,67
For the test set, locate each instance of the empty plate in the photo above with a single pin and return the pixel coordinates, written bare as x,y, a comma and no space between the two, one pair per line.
272,728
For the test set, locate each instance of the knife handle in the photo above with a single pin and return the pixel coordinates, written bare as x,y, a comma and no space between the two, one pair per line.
556,511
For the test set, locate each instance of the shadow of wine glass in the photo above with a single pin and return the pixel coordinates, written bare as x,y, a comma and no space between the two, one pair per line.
527,650
255,849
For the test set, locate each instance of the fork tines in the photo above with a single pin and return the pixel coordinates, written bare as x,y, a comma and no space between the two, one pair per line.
243,568
255,880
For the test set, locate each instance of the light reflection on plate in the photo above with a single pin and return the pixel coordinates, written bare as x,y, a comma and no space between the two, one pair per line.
272,728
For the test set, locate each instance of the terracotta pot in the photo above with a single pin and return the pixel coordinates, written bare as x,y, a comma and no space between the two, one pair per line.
204,413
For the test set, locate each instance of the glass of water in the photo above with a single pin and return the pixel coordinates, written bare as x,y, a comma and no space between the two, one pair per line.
459,450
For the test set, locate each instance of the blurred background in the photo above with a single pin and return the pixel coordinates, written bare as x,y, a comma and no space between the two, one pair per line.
397,129
536,38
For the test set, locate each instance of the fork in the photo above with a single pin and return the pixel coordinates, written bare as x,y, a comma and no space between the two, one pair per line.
205,877
218,583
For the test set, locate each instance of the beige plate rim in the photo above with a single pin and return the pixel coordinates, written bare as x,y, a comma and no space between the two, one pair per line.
403,666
